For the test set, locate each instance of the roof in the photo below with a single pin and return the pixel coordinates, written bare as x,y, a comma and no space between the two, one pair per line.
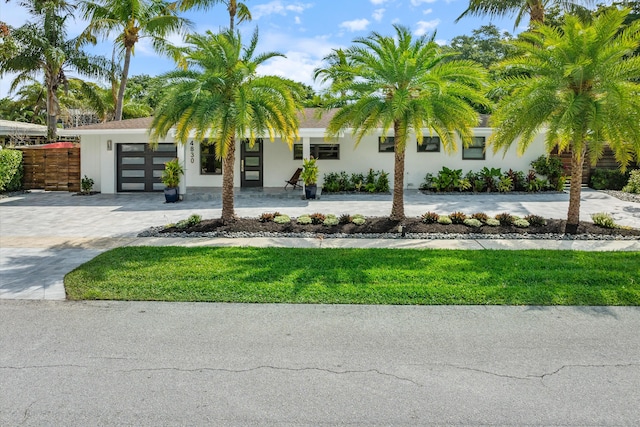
308,118
8,127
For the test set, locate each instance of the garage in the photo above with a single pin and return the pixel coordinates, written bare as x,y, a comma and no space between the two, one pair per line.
140,167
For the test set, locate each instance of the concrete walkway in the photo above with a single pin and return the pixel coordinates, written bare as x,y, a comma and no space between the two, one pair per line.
44,235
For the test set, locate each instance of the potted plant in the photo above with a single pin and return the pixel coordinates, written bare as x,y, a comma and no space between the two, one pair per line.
310,177
171,180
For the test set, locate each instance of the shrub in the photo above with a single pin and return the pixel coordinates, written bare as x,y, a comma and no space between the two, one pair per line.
282,219
492,222
480,216
552,168
536,220
517,178
608,179
344,219
505,218
430,218
445,220
10,170
457,217
603,219
427,183
357,181
633,186
267,217
330,220
358,219
86,184
331,183
505,184
521,223
317,218
304,219
193,220
448,179
382,183
490,177
472,222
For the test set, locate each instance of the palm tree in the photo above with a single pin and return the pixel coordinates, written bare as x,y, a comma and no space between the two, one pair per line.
582,83
41,47
408,85
131,20
220,98
235,9
535,9
337,69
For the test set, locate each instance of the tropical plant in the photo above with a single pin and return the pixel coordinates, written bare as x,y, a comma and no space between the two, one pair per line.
582,83
42,46
405,84
309,171
603,219
430,217
448,179
222,98
11,170
472,222
490,177
608,179
235,9
131,20
86,184
533,9
633,186
172,173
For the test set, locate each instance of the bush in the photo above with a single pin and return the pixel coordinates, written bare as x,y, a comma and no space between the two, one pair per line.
505,218
608,179
304,219
492,222
86,184
457,217
344,219
317,218
552,168
444,220
382,183
282,219
330,220
430,218
267,217
521,223
472,222
536,220
358,219
357,181
603,219
331,183
193,220
480,216
633,186
10,170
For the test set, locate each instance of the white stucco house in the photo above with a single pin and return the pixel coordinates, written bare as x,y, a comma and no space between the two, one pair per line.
118,158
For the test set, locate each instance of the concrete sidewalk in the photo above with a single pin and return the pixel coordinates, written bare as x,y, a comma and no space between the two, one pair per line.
45,235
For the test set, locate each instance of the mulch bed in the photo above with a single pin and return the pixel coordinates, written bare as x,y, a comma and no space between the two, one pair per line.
379,225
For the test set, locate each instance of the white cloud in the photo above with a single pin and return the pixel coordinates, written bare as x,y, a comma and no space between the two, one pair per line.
297,20
377,2
422,27
277,7
419,2
355,25
427,11
378,14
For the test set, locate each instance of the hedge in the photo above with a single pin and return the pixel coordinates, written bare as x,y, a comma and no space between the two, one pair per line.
10,170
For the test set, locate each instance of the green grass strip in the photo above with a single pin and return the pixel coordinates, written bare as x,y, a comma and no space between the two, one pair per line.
359,276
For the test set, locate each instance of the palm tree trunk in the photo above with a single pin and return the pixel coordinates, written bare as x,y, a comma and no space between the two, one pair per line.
123,84
536,12
228,212
573,216
52,113
232,14
397,208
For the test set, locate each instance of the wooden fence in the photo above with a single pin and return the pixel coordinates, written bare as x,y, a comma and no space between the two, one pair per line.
52,169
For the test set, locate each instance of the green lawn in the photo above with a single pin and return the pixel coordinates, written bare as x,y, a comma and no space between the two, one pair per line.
359,276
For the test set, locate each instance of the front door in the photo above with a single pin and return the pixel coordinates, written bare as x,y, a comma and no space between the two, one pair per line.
251,168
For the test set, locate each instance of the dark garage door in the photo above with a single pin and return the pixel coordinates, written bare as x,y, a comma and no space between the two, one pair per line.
140,167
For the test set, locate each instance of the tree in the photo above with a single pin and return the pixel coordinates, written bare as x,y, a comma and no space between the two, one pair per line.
132,20
486,45
409,85
219,98
235,9
581,82
42,47
535,9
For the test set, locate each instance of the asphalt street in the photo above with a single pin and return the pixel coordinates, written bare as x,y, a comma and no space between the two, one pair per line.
149,364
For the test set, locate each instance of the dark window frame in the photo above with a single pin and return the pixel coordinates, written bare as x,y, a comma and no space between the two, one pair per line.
386,140
204,156
474,148
316,150
426,141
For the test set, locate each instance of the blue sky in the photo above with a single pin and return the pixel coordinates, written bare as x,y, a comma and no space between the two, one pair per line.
305,31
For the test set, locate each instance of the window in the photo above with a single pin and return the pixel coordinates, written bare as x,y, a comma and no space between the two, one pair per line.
385,144
430,144
209,165
318,151
475,151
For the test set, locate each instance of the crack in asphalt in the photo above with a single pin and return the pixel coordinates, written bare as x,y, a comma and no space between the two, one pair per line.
545,374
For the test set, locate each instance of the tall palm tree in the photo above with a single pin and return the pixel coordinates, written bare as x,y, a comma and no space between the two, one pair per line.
132,20
220,98
406,84
235,9
534,9
582,82
42,47
337,70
